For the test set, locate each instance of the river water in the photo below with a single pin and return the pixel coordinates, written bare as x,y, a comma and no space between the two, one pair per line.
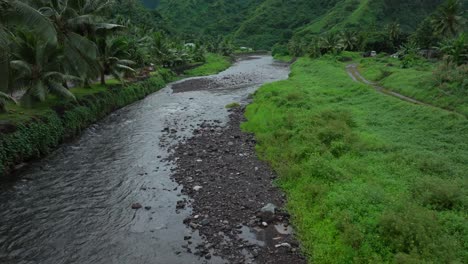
74,206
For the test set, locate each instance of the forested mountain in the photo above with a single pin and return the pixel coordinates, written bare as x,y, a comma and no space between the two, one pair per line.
219,17
262,23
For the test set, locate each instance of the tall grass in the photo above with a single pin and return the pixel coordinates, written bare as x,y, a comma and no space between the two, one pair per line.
369,178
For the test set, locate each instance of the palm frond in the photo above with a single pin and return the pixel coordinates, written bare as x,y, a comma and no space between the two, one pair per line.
83,45
26,15
125,68
6,98
59,90
23,68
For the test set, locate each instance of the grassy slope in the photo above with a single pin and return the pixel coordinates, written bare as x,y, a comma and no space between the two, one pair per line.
369,178
348,13
367,14
416,82
214,64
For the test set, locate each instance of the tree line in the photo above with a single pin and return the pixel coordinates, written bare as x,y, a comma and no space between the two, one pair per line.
47,46
443,31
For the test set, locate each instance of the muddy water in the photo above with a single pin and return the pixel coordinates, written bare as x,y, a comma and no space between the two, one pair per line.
75,205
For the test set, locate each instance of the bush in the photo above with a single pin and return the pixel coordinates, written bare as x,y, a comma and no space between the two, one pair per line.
414,233
439,194
451,79
279,50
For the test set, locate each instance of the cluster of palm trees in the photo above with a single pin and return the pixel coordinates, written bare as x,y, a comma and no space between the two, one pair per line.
443,30
48,45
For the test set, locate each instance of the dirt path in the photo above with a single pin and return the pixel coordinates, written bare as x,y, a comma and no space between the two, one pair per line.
354,73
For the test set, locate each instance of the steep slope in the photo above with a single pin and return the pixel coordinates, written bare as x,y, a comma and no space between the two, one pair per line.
262,23
275,20
354,14
213,17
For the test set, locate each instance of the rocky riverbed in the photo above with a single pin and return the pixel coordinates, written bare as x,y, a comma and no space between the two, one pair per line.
235,205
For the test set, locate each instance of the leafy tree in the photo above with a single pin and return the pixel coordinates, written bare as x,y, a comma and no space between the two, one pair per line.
449,20
394,34
331,43
112,52
425,36
75,21
17,13
37,69
314,50
455,50
349,40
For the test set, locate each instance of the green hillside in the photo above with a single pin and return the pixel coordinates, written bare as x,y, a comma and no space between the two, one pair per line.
262,23
219,17
353,14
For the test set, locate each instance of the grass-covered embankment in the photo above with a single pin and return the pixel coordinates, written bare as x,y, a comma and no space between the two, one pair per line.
28,133
214,64
419,81
369,178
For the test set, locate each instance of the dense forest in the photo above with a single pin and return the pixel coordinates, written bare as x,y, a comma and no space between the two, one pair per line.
50,46
263,23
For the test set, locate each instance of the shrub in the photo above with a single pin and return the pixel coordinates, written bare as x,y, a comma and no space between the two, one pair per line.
232,105
450,78
414,233
439,194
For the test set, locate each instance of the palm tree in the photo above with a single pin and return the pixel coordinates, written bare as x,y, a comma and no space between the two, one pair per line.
448,19
76,21
349,40
18,13
111,54
331,43
36,68
160,49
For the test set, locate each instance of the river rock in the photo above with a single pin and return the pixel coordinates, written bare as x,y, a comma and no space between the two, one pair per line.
136,206
267,213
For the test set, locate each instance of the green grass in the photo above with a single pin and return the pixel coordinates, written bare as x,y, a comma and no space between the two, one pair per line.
232,105
416,82
214,64
369,178
283,58
17,114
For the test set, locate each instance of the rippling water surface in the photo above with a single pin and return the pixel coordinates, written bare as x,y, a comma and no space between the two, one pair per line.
74,206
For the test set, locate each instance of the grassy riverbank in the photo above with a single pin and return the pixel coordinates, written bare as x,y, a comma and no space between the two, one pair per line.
28,133
214,64
369,178
420,81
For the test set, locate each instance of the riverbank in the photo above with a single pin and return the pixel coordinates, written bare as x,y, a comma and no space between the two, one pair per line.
214,64
36,132
31,133
367,176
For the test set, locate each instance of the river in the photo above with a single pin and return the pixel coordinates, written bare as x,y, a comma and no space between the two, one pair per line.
75,205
